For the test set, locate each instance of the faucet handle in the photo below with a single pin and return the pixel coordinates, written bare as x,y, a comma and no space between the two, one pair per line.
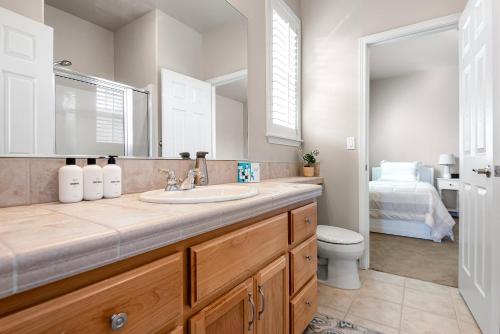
169,172
172,182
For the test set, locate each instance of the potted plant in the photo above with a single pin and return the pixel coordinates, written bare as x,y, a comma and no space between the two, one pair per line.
310,160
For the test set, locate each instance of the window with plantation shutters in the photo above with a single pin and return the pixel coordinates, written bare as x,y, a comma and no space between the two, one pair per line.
283,121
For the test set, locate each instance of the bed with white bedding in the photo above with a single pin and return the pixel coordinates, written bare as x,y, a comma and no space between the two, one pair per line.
403,201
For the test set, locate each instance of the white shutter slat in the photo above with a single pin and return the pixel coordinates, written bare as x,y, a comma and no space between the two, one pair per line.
284,79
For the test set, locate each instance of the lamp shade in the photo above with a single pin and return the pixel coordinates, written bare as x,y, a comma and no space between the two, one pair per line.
446,159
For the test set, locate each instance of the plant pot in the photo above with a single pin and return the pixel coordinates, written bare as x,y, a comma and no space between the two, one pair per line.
316,169
308,171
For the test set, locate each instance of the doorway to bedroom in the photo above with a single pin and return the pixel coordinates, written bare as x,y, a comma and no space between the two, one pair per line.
413,145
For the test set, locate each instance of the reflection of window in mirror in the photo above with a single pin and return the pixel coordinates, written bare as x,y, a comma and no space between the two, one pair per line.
283,114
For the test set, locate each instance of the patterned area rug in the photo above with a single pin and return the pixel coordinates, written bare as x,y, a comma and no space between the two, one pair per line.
323,324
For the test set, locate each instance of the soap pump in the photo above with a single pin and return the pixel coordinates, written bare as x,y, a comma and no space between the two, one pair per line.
70,182
112,178
201,178
92,181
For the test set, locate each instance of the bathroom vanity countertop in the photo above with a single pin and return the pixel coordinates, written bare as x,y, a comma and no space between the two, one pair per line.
299,179
43,243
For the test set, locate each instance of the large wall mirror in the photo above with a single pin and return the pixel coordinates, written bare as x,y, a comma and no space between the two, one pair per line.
147,78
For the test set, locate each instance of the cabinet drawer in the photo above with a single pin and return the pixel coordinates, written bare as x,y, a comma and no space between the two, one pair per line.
449,184
218,262
303,264
303,223
150,297
303,307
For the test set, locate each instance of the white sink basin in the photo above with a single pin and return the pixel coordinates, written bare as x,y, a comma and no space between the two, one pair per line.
208,194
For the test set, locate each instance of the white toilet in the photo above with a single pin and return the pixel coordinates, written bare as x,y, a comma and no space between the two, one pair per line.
341,248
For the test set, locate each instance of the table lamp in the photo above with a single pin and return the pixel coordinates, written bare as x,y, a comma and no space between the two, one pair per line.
446,160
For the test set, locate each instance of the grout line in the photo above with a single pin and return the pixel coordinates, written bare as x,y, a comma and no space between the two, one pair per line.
402,305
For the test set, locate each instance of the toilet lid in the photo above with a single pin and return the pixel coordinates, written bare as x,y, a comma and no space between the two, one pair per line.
337,235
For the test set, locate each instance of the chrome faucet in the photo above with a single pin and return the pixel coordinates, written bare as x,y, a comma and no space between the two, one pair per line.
177,184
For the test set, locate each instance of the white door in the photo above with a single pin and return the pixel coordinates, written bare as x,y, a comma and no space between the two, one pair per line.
478,218
186,105
27,118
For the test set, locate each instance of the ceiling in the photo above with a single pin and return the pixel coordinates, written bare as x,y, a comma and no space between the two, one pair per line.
114,14
236,90
414,55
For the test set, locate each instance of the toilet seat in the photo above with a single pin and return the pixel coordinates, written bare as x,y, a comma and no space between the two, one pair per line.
338,235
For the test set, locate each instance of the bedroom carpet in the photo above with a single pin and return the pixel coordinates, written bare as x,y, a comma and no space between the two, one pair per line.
416,258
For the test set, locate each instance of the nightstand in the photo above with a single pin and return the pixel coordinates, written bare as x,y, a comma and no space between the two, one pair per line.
450,185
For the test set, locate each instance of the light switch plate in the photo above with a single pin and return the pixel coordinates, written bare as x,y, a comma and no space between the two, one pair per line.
351,143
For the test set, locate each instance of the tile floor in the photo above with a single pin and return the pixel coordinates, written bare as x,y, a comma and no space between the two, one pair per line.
394,304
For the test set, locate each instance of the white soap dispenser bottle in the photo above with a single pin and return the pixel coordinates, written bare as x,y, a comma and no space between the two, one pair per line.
70,182
112,176
92,181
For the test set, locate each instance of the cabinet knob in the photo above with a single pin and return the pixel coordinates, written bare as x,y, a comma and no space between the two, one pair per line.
308,303
118,321
309,258
308,220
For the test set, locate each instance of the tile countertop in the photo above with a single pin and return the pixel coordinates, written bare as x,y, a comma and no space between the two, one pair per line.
43,243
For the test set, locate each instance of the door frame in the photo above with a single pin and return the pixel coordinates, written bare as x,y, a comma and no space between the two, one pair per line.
424,28
217,82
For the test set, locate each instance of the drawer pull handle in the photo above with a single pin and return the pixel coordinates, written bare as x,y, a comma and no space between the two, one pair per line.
263,301
252,320
309,258
308,220
118,321
308,303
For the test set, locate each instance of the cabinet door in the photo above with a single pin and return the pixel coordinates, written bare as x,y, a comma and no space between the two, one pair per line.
233,313
272,298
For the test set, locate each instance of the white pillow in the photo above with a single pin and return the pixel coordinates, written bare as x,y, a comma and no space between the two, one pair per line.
399,171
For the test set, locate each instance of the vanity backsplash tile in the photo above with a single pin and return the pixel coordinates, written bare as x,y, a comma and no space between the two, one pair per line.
25,181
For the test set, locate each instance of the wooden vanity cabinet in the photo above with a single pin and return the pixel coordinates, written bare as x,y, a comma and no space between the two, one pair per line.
254,277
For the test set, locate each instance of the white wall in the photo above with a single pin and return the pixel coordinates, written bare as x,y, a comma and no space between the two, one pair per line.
330,85
259,148
30,8
415,117
224,49
135,52
136,60
88,46
229,129
180,47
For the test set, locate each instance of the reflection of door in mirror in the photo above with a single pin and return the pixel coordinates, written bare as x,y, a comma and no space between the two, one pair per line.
26,94
95,117
186,114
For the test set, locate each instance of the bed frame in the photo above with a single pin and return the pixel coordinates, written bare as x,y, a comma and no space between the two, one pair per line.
412,229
